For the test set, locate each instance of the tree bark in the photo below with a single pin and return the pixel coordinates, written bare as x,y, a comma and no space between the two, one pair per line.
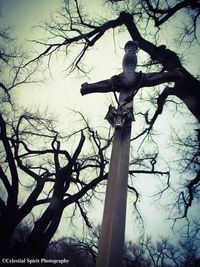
187,89
44,229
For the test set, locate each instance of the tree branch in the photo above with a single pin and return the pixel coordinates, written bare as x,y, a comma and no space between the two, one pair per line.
13,196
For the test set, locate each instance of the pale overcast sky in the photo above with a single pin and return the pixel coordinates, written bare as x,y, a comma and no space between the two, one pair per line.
61,92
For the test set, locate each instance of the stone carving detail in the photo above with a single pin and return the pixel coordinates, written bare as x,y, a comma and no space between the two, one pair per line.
129,63
119,117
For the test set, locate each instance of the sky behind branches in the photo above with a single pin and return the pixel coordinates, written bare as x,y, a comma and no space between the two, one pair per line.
59,92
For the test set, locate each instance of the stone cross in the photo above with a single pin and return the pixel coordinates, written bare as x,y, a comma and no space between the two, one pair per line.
111,243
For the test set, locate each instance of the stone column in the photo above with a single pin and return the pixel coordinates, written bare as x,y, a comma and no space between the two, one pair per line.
111,243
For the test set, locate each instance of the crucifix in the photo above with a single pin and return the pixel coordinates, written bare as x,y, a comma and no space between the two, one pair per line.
111,243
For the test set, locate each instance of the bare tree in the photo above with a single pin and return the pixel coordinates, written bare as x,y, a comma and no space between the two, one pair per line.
160,253
188,193
164,253
61,178
77,29
35,159
13,71
73,28
161,12
13,75
56,172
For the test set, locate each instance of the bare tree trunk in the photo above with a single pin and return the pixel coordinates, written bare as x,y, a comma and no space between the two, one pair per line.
44,229
7,225
11,216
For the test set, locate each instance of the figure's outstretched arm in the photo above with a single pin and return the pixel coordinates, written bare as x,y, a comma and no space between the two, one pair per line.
155,78
117,81
104,86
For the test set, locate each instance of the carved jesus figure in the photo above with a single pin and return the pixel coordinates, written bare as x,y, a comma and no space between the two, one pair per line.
129,78
129,63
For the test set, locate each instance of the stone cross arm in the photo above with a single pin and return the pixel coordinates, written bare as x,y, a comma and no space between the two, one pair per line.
117,82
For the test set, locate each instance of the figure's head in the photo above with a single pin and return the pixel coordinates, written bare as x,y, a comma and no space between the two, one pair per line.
131,45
